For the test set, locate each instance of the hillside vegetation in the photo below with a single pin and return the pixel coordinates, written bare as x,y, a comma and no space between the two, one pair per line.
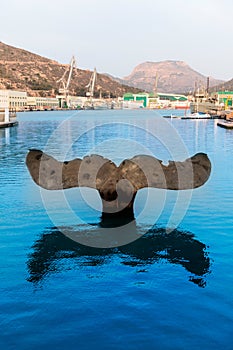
23,70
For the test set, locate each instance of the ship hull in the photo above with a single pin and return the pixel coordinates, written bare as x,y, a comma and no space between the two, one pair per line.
204,107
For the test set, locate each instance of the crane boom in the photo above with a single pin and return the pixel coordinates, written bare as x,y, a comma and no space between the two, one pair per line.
72,65
66,83
91,85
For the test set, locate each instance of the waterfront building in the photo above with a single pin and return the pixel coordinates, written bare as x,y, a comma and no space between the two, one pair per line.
135,100
225,98
4,99
160,100
175,101
20,101
42,103
12,99
3,104
76,101
8,98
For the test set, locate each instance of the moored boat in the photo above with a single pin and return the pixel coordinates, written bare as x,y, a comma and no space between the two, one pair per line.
227,124
191,116
197,116
203,103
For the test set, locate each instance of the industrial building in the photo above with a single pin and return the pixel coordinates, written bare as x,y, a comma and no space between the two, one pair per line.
4,99
42,103
225,98
12,99
160,100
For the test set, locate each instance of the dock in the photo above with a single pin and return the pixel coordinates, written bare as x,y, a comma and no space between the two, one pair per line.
7,118
8,124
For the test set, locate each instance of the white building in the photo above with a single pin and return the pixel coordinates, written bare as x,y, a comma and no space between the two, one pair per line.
4,99
14,100
42,103
76,101
19,101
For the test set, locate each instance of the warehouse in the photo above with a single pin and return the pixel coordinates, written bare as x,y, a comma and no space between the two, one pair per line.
160,100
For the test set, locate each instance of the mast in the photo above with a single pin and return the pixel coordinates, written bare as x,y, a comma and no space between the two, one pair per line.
156,85
207,85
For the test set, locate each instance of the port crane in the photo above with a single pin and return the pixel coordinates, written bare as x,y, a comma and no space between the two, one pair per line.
91,85
64,90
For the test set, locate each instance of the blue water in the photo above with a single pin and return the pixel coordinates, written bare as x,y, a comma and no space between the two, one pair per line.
170,289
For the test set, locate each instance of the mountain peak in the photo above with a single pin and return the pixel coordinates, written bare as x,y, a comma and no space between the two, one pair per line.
172,76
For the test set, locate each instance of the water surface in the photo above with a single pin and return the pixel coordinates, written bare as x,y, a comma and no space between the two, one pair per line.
166,290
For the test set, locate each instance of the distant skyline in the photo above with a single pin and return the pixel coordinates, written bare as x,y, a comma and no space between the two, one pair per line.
115,36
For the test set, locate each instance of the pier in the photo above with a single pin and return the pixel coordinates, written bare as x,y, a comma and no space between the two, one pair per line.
7,118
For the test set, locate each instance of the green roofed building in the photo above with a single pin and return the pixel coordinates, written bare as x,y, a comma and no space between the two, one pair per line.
159,100
172,97
225,97
137,98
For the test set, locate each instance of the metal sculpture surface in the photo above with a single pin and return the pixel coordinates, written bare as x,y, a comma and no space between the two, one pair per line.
117,185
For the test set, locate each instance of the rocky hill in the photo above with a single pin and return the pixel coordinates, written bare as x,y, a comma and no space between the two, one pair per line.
23,70
172,76
226,86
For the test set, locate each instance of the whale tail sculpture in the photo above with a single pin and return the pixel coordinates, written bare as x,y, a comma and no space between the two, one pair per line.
117,185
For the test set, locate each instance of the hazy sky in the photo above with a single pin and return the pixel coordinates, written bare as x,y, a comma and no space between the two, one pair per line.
116,35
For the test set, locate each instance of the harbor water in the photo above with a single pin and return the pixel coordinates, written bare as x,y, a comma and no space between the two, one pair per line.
172,288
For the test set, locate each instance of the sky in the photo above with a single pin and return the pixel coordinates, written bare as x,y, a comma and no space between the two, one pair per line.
116,35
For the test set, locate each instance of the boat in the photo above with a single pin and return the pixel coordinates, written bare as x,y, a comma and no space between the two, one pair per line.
191,116
172,116
227,124
205,104
197,116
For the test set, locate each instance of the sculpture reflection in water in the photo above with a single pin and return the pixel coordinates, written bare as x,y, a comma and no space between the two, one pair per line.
52,251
